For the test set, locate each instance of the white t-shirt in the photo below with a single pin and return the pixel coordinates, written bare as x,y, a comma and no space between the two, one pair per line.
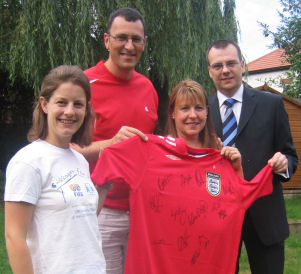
63,236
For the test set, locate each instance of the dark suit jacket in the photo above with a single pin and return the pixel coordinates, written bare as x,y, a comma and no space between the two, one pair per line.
263,130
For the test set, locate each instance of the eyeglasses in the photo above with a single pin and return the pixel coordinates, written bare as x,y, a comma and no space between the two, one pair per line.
123,38
219,66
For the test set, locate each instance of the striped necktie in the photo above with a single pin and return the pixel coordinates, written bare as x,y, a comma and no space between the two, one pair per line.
229,124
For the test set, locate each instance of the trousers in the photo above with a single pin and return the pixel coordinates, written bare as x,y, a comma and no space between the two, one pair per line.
262,259
114,229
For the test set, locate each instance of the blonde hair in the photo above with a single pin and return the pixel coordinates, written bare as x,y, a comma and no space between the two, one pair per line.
191,91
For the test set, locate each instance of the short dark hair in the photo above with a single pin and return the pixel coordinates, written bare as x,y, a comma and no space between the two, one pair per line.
221,44
51,82
130,15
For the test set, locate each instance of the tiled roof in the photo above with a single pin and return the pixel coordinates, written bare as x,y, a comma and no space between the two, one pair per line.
272,60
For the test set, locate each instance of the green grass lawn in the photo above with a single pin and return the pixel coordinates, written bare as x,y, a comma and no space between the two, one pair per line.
292,244
293,208
292,256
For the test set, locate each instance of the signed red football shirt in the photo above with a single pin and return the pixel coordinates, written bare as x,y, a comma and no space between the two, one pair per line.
186,212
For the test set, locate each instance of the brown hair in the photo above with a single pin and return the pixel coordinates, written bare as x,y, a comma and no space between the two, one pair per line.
189,90
51,82
221,44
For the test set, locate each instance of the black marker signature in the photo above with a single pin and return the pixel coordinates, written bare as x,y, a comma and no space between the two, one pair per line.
155,202
183,241
163,182
222,214
195,256
203,241
160,242
198,178
185,180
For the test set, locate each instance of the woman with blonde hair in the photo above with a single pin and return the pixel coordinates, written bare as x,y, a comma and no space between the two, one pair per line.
189,118
187,198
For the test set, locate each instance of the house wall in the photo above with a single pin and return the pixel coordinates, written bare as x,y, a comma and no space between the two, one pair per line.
272,78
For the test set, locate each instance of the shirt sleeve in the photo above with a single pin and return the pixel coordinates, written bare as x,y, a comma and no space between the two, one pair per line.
122,162
260,185
23,183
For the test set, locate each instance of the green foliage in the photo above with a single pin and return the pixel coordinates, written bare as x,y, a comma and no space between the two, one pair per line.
4,264
293,88
9,11
229,19
44,34
50,33
288,36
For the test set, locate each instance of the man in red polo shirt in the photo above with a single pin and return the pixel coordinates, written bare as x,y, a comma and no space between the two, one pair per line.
125,103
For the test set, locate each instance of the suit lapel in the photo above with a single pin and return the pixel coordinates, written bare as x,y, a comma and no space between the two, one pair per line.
248,107
215,115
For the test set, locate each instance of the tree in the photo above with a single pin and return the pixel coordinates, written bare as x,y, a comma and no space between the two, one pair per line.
9,11
44,34
229,19
39,35
47,33
288,36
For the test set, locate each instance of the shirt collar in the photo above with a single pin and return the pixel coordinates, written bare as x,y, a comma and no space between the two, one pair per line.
237,96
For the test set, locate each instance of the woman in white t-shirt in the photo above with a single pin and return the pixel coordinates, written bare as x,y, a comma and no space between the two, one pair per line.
50,201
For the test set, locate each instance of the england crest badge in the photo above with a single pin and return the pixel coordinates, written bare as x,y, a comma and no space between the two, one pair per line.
213,183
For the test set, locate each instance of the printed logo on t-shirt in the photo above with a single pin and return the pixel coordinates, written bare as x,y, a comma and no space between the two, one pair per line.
90,189
74,185
93,80
168,139
172,157
213,183
76,190
146,108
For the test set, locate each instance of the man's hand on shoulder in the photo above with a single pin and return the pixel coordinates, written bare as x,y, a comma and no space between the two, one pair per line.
93,151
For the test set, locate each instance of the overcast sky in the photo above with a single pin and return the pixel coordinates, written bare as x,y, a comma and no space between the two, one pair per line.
252,42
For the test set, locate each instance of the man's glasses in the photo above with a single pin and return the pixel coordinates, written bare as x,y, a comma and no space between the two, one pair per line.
229,65
123,38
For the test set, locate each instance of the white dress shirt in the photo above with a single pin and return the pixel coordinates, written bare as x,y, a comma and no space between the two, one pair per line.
236,107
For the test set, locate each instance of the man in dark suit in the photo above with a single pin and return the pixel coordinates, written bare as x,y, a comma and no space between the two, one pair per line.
262,135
